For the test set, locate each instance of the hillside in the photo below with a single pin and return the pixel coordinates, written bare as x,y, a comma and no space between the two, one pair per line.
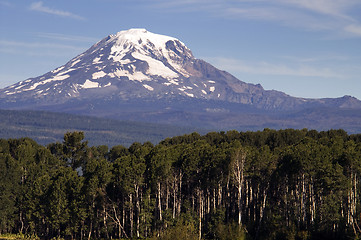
48,127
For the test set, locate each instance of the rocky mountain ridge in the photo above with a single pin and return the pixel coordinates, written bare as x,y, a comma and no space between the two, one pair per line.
135,68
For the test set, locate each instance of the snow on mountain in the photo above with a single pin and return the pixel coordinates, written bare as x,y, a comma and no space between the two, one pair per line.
134,55
137,64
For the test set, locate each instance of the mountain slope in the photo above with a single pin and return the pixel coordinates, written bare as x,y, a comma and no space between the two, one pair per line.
136,74
48,127
133,64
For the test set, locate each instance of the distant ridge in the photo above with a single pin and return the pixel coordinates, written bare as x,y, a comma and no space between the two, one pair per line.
49,127
142,76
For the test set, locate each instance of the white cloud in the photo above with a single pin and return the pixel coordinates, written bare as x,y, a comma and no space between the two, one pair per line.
338,58
287,17
265,68
354,29
38,48
337,8
5,3
317,15
64,37
35,45
38,6
292,16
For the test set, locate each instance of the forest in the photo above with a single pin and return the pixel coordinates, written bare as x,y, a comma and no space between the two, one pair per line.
49,127
270,184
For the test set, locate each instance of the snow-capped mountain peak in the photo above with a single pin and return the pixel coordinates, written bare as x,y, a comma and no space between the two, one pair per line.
163,54
136,74
142,76
138,64
139,38
131,63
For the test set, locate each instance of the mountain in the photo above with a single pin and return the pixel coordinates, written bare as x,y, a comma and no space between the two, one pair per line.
136,74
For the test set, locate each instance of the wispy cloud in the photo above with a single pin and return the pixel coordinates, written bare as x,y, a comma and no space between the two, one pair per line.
287,17
336,8
317,59
265,68
65,37
354,29
5,3
36,45
38,48
338,16
316,16
39,6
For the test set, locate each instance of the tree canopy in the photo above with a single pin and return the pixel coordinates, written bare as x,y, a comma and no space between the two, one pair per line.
285,184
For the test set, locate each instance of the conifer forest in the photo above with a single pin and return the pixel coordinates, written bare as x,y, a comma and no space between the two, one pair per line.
270,184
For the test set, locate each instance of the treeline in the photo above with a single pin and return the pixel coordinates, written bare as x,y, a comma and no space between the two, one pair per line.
49,127
286,184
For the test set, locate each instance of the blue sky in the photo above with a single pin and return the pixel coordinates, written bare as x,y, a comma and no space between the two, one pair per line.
305,48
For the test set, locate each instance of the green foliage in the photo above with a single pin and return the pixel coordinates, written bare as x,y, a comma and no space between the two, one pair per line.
178,232
19,237
230,231
9,188
286,184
